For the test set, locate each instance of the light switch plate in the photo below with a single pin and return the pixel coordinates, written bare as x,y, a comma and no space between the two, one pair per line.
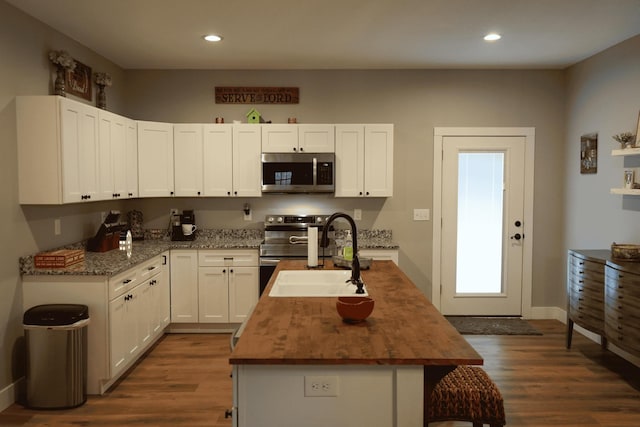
357,214
421,214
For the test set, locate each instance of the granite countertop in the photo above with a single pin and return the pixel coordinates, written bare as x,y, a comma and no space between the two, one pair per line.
114,261
156,241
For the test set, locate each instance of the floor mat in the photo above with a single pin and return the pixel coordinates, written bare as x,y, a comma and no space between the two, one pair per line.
492,325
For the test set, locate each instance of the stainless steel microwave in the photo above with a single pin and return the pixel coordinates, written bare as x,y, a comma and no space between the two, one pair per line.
298,172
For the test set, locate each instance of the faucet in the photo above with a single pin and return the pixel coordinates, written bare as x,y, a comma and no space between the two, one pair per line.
355,264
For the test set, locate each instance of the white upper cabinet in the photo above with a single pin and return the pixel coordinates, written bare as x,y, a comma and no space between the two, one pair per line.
292,138
131,158
279,138
247,173
188,158
214,161
378,160
316,138
115,145
364,160
155,159
58,153
218,158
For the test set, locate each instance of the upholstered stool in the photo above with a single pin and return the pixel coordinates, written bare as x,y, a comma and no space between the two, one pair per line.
466,394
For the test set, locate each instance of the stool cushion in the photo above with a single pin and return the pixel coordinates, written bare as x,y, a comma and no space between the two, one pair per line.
466,394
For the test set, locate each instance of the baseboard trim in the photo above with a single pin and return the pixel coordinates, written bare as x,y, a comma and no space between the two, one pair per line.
9,394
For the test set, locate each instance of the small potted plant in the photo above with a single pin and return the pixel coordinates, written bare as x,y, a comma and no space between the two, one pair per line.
63,62
626,139
102,80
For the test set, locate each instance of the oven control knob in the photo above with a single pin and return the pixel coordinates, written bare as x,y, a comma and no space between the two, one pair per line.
319,220
280,219
270,219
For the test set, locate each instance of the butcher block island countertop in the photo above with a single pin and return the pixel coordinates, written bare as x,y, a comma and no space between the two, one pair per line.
297,363
403,329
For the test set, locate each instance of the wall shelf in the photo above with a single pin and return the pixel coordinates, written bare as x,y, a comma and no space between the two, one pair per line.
626,191
626,152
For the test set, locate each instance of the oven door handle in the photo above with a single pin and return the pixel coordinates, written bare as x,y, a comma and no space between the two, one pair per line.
297,240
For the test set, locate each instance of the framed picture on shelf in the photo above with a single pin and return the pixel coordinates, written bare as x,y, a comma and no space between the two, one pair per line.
79,81
589,153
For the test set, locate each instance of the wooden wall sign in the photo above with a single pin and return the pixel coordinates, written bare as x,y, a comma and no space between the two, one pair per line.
257,95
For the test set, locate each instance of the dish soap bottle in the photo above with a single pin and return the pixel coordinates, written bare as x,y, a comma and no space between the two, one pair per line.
347,250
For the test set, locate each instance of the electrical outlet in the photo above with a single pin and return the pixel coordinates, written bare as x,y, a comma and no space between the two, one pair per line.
247,217
56,227
173,211
103,215
357,214
321,386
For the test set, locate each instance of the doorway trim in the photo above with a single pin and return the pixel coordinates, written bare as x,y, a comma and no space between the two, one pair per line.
527,251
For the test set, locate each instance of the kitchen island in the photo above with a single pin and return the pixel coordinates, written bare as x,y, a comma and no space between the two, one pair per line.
372,373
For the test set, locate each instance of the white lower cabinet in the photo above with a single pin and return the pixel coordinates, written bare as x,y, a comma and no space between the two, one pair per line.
138,313
213,285
127,313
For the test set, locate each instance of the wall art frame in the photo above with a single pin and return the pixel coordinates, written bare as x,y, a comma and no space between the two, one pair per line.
78,81
589,153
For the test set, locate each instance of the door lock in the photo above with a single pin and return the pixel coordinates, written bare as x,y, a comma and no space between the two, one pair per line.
517,236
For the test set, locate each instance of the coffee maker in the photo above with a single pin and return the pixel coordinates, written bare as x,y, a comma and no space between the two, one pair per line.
183,226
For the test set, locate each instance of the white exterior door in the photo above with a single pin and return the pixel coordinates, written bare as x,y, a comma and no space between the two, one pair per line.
484,220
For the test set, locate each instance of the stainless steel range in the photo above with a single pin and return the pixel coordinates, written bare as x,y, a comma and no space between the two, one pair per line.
285,237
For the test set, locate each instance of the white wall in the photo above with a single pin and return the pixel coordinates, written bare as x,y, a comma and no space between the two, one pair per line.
603,96
416,101
25,70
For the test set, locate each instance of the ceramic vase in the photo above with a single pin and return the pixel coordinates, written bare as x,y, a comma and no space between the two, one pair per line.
59,88
101,98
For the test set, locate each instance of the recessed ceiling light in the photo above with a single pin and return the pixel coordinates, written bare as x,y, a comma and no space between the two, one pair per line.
212,38
491,37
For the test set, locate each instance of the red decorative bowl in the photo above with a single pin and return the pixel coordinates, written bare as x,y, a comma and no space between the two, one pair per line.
354,309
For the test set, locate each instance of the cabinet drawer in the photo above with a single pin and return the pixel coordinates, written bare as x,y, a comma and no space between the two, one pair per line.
591,290
592,320
222,258
579,265
151,268
123,282
623,283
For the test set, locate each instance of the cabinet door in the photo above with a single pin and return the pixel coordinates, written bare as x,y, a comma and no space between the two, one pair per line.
218,160
164,293
349,161
279,138
187,155
155,159
124,329
80,154
378,160
243,292
184,286
247,173
117,338
131,158
112,143
213,294
316,138
147,320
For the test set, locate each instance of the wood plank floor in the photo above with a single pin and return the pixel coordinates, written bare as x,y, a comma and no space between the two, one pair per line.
184,381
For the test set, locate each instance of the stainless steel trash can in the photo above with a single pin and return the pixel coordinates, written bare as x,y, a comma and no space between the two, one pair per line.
56,343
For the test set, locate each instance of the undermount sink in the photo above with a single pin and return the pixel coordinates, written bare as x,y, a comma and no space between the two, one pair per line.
314,283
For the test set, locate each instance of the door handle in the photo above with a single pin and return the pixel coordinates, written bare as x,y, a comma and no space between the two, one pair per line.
517,236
